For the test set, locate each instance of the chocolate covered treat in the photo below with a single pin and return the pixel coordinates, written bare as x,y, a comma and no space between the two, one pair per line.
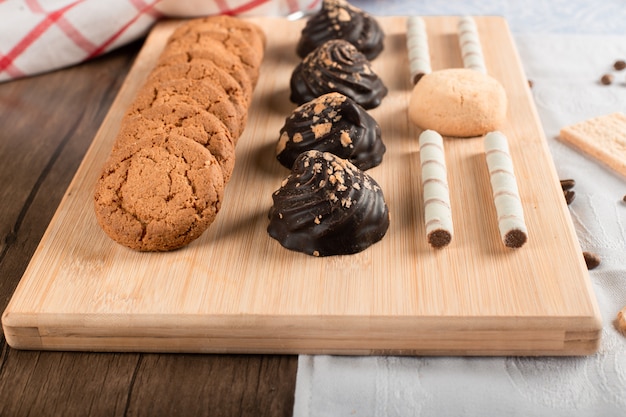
337,66
331,123
337,19
327,206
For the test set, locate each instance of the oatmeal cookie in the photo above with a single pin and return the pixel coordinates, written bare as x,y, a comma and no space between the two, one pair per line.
159,194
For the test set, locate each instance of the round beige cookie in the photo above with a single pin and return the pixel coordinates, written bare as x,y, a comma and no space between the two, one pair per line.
458,102
234,42
208,72
159,194
231,47
228,62
178,118
211,98
252,33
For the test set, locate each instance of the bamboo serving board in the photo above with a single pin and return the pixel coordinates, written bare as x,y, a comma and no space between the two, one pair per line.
237,290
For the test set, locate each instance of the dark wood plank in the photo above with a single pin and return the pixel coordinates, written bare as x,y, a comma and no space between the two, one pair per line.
219,385
47,123
65,384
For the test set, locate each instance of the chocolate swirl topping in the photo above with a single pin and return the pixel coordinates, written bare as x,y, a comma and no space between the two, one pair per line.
339,20
331,123
337,66
327,206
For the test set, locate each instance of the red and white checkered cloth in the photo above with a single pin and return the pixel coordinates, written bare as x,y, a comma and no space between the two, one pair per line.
41,35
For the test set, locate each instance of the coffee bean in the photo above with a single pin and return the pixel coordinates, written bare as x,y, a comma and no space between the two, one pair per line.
619,65
567,184
569,196
606,79
591,259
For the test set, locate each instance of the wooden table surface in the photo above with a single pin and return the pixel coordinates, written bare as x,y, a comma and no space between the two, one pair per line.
47,123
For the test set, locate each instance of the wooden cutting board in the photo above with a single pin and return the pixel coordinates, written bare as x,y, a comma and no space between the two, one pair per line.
237,290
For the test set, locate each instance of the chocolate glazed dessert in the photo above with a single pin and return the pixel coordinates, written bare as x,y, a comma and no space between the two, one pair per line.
327,206
337,66
337,19
331,123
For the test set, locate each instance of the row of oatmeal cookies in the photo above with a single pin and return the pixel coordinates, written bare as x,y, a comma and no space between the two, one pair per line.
163,183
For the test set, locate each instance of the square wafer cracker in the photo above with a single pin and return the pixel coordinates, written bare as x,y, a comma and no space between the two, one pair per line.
602,137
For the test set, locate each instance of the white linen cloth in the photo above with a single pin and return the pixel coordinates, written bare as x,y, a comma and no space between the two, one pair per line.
530,16
565,70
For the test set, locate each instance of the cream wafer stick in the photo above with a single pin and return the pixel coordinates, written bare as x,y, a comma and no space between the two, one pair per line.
417,46
437,213
469,41
505,192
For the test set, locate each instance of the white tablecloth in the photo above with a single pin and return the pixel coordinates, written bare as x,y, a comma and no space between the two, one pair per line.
565,47
530,16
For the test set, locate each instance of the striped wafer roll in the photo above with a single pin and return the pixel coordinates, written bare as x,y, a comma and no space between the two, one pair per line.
505,193
469,41
417,46
437,213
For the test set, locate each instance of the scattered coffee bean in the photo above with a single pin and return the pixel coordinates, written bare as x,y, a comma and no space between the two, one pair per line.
606,79
530,83
591,259
620,321
624,199
619,65
569,196
568,184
